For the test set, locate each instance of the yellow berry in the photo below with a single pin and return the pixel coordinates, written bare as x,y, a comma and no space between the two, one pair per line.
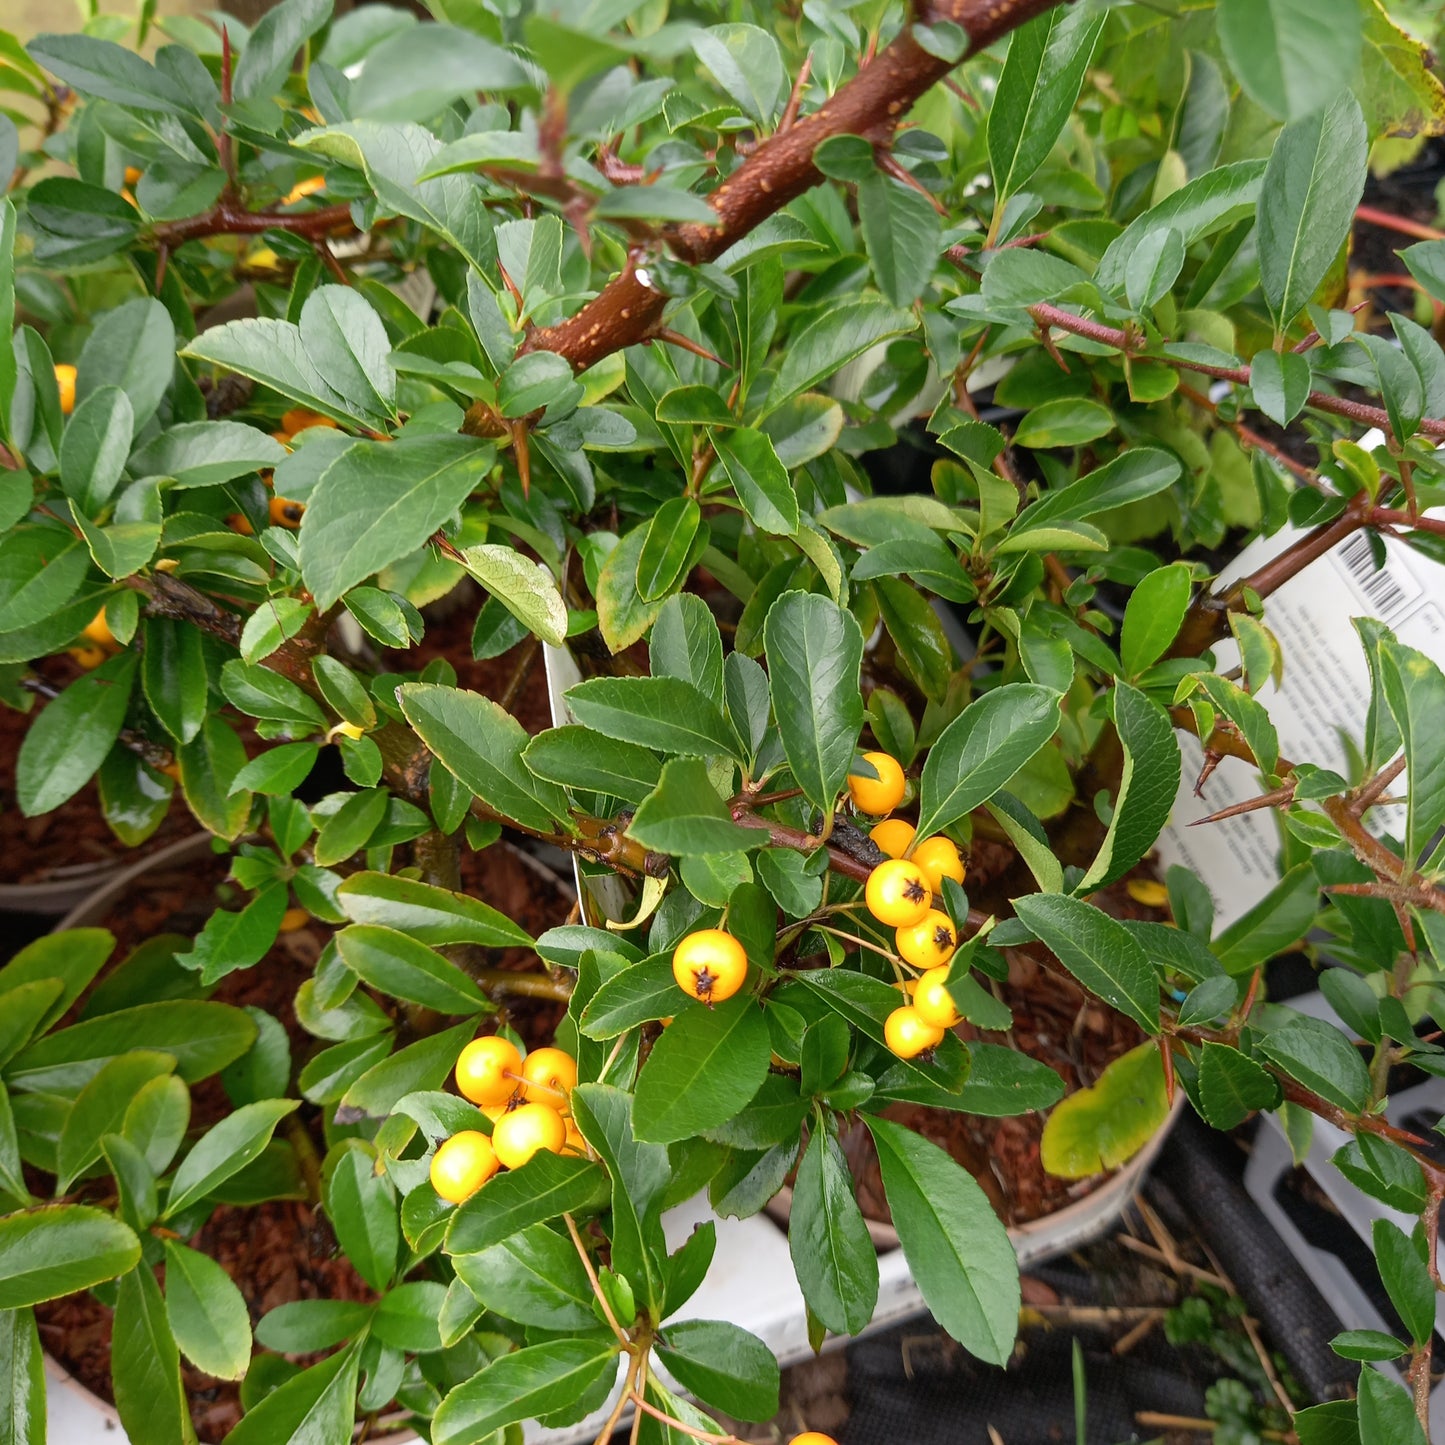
303,188
487,1070
98,631
881,794
939,858
897,893
548,1076
65,382
934,1002
294,918
525,1131
462,1164
909,1034
1147,892
929,942
709,965
812,1437
892,836
88,655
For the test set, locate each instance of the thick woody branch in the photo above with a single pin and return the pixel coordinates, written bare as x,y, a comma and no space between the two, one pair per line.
226,218
871,105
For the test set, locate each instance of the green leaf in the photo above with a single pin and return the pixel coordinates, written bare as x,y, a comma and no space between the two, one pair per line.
316,1407
99,1109
225,1149
901,233
1291,56
723,1365
301,1326
1098,950
430,915
1104,1126
956,1248
350,827
363,1210
404,968
640,1174
107,71
173,675
534,1277
277,771
664,713
1280,381
525,588
482,744
1367,1345
666,548
204,1037
1307,203
1069,421
704,1068
271,48
208,1315
759,478
41,569
1232,1086
833,1254
424,1064
917,633
1406,1276
132,347
1153,616
205,453
1320,1057
209,765
1154,267
814,651
545,1187
1415,692
65,745
577,757
1147,787
834,338
1281,917
418,72
145,1365
22,1380
532,1382
981,749
1386,1411
94,448
57,1251
684,816
379,502
746,62
1036,91
71,958
636,995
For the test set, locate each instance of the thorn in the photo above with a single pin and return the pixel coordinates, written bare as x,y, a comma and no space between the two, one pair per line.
1279,798
1047,337
790,111
163,256
225,65
1166,1057
328,258
1212,760
1250,994
961,93
888,163
676,338
511,286
575,213
518,429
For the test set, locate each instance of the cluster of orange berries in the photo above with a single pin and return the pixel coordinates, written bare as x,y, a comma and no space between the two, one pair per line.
901,894
529,1103
283,511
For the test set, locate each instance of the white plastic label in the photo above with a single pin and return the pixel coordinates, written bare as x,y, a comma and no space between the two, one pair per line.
1323,700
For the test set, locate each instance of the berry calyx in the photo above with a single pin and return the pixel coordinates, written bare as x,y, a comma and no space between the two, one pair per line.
909,1034
487,1070
933,1001
65,383
548,1077
710,965
892,836
462,1164
939,858
927,943
897,893
285,512
878,795
525,1131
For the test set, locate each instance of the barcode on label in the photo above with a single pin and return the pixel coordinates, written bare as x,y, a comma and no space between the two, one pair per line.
1387,592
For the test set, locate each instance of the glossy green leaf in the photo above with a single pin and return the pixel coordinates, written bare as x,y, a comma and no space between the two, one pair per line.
428,914
225,1149
685,816
145,1365
1153,616
722,1364
99,1109
1292,56
833,1254
402,967
316,1407
208,1316
22,1379
544,1188
363,1209
1232,1086
534,1277
57,1251
664,713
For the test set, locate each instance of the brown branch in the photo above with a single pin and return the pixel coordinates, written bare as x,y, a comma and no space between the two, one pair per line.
1375,416
872,105
226,218
1398,223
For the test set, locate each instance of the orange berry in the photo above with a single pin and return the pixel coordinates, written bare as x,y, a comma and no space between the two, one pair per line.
462,1164
285,512
548,1076
710,965
527,1130
300,417
294,918
307,186
487,1070
892,836
897,893
65,381
881,794
132,175
812,1437
939,858
909,1034
171,769
98,631
240,525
